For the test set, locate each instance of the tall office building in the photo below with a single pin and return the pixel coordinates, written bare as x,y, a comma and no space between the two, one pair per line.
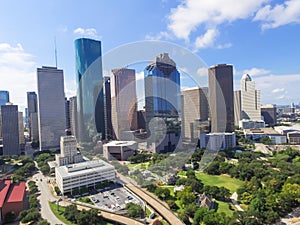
4,97
32,115
194,112
90,97
237,107
109,132
10,129
162,98
123,102
51,106
67,109
269,114
73,116
221,98
250,99
21,130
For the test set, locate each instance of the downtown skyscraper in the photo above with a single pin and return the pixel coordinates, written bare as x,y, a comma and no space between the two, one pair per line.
10,129
250,99
162,98
220,80
32,116
90,96
123,102
4,97
51,106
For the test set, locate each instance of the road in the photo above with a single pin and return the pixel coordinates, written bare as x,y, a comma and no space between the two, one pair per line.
166,213
234,201
44,198
47,213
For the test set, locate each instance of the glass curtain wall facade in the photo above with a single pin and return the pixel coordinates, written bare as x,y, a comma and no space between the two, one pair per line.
90,99
162,98
4,97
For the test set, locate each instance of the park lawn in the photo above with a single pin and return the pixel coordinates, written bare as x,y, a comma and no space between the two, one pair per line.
220,181
60,214
171,188
224,207
132,166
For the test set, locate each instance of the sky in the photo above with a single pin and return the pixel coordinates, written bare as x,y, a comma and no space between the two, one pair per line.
258,37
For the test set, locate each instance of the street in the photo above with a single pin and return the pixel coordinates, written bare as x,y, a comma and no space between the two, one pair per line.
44,197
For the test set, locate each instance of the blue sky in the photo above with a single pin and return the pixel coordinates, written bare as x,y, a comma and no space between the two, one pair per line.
260,37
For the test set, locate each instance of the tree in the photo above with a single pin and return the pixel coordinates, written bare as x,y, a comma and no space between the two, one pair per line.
134,210
162,193
186,196
83,218
32,216
213,168
10,217
172,204
43,222
70,213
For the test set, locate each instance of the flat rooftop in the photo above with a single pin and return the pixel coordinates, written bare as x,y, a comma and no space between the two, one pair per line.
265,130
120,143
83,168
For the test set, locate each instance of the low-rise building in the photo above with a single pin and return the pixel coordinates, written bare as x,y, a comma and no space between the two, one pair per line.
204,200
84,174
12,198
293,137
217,141
251,124
119,150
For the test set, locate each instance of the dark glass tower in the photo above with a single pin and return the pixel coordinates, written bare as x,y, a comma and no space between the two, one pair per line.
220,79
90,99
162,98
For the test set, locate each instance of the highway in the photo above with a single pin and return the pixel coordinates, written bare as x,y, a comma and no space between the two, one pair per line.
160,208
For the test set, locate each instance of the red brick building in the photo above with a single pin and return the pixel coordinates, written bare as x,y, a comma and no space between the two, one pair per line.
12,197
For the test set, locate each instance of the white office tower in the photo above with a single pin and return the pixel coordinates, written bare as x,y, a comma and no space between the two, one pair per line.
51,106
250,99
68,151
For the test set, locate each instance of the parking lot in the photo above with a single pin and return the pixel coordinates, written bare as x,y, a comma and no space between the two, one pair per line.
114,198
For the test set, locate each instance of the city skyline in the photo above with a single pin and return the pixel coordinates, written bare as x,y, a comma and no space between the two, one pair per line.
251,38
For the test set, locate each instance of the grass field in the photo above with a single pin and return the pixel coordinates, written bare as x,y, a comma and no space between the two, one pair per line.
220,181
224,207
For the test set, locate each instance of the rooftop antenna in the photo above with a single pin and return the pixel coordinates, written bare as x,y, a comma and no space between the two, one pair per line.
55,52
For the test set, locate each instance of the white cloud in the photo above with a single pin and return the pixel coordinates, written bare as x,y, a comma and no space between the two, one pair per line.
89,32
17,73
190,14
202,71
277,90
159,36
70,88
139,75
256,71
227,45
279,15
207,39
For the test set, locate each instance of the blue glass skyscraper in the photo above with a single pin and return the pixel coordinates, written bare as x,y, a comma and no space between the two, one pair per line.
162,98
4,97
90,99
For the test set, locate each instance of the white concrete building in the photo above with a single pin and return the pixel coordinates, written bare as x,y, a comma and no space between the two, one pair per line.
250,99
68,151
119,150
84,174
217,141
